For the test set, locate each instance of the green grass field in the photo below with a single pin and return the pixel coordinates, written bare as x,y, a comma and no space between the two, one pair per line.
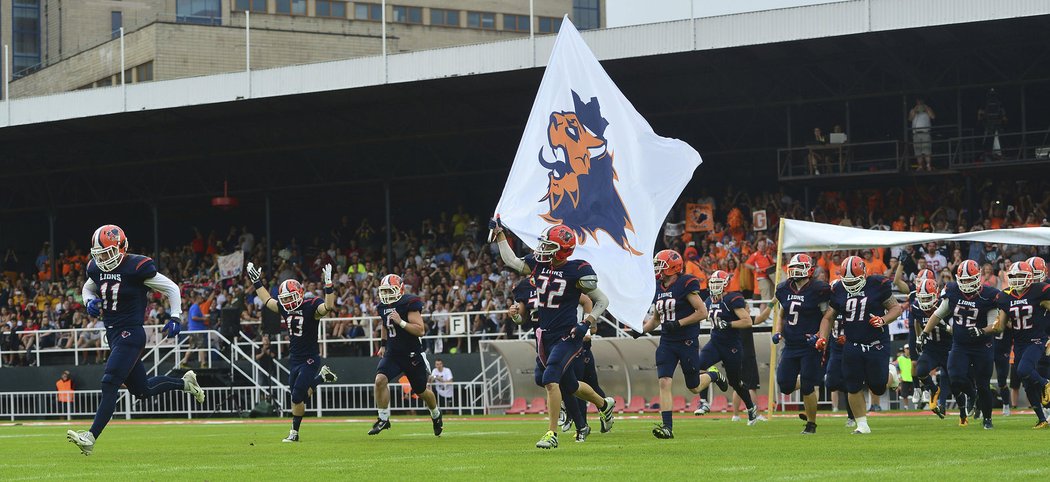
502,448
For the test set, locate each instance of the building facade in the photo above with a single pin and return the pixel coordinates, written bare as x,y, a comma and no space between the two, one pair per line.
62,45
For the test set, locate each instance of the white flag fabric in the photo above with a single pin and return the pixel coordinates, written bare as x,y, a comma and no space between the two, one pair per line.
230,265
802,236
590,161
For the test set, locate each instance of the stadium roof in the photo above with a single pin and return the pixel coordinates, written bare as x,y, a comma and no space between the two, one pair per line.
754,28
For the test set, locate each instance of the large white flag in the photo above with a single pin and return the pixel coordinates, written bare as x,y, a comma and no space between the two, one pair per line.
588,160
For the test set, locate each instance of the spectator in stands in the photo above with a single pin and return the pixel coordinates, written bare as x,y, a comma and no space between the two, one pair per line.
196,321
934,259
921,117
815,156
265,358
441,377
760,263
992,116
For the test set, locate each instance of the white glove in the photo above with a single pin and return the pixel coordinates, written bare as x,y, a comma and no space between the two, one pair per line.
254,274
326,275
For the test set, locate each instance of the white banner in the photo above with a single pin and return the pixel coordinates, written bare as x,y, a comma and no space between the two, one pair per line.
800,236
590,161
231,264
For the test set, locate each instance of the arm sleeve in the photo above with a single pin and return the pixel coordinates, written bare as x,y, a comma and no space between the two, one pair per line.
90,291
513,262
164,285
992,315
943,310
601,302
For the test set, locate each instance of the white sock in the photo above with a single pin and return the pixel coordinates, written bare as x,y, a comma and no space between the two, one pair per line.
384,414
862,422
435,413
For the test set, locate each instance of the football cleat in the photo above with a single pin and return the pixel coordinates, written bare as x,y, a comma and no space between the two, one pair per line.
1006,410
915,394
861,431
964,422
736,418
719,379
328,375
1046,394
971,408
1041,425
563,419
988,424
926,396
850,423
84,440
662,432
752,415
581,434
895,378
192,387
439,424
939,411
702,408
811,429
606,415
293,436
548,441
379,426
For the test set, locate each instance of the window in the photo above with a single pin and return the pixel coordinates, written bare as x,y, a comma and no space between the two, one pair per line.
516,23
444,17
298,7
586,14
408,14
483,20
203,12
104,82
116,21
250,5
25,33
284,6
368,11
331,8
549,25
144,72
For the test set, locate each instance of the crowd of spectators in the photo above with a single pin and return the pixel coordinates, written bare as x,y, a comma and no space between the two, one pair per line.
448,263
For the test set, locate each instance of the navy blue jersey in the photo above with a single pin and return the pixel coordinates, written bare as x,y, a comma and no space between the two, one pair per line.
1027,320
302,325
525,292
671,303
940,337
557,293
725,309
399,341
123,290
857,309
969,310
802,309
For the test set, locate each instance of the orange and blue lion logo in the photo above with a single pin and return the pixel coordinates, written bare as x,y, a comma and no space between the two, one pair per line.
581,189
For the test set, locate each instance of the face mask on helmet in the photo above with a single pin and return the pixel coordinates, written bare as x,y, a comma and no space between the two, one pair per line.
1019,278
799,267
108,246
968,278
291,295
391,290
717,284
107,258
545,250
853,276
926,295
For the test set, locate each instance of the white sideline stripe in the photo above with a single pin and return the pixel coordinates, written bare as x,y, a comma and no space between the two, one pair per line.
26,435
457,434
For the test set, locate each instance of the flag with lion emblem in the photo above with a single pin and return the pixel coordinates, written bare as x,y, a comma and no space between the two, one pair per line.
590,161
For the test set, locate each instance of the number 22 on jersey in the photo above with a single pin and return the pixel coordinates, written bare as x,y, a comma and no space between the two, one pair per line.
547,295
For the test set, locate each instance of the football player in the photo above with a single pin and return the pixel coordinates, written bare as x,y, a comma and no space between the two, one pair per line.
1024,304
116,291
302,318
833,379
867,305
677,310
402,352
913,334
559,337
934,348
974,319
803,301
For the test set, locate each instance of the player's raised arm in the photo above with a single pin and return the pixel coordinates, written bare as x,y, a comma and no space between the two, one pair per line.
505,252
329,293
898,278
255,276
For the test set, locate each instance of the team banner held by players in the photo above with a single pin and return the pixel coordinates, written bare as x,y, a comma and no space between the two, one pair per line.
802,236
231,264
699,217
588,159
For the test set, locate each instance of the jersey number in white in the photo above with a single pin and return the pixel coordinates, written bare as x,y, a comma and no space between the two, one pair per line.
109,295
546,293
793,312
965,316
665,309
295,325
856,309
1022,317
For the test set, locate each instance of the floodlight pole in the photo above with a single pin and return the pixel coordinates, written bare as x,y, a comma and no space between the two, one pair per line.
248,49
123,86
382,17
7,85
389,230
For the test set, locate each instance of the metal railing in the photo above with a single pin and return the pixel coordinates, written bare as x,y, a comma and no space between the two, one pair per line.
847,159
330,399
1000,149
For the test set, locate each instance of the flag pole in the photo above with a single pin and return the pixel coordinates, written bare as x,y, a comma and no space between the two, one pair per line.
775,313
